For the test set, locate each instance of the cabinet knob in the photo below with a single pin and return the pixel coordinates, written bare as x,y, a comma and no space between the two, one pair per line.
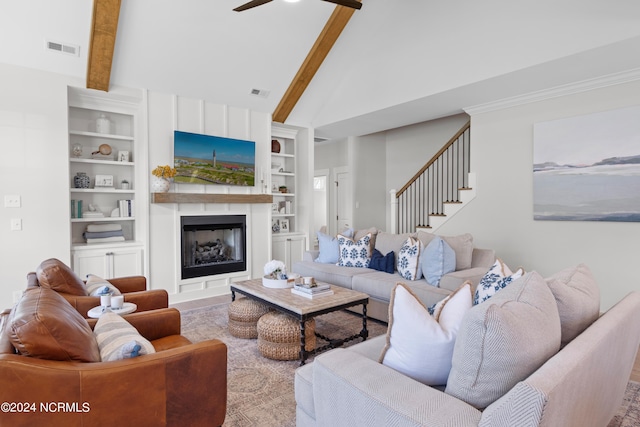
109,253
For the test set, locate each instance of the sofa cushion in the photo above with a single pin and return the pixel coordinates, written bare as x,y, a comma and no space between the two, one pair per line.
497,278
381,262
118,339
409,259
359,234
354,253
388,242
578,298
45,326
437,260
418,345
96,285
54,274
504,340
462,245
329,248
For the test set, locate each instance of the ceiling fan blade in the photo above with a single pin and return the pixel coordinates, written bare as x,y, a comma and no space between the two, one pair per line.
347,3
249,5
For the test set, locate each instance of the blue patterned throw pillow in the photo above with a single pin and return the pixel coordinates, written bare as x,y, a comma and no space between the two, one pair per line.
498,277
354,253
409,259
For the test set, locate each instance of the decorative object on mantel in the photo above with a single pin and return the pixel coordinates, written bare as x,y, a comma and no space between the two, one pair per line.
282,188
275,146
160,180
81,180
275,275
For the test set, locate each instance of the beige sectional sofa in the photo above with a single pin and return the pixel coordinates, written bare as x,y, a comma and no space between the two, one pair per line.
537,353
471,264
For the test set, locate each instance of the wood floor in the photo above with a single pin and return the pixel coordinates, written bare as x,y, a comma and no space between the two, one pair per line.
635,373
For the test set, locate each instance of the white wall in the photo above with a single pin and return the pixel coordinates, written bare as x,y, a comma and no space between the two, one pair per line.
501,216
35,153
368,158
166,113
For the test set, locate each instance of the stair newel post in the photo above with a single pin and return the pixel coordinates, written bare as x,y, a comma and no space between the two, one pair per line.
394,211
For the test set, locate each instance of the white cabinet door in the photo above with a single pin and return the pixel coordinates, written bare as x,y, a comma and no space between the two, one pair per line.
289,248
108,262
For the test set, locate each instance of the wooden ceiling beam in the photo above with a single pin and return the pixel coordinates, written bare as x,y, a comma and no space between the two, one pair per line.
104,26
319,51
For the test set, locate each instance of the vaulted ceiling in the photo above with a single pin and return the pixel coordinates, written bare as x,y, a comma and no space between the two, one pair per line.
395,63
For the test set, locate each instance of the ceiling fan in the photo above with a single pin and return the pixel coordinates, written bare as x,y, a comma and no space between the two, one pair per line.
253,3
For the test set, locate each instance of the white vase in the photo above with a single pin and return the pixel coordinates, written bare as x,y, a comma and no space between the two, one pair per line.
159,185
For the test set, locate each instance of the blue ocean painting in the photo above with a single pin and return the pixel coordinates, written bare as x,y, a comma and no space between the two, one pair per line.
587,168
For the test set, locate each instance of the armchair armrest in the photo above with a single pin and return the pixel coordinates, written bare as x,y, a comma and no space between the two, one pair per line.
145,300
130,283
182,386
348,385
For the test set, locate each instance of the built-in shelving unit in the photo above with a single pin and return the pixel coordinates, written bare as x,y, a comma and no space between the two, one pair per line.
95,122
288,241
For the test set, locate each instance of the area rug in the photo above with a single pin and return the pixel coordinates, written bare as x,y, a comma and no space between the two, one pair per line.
260,391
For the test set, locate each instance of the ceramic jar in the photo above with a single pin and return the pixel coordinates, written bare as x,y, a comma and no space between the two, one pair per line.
159,185
81,180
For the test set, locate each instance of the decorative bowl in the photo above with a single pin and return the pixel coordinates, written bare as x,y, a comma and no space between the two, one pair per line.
277,283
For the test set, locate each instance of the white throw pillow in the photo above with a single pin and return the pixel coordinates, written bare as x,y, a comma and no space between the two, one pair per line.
95,286
498,277
437,259
118,339
418,345
354,253
409,259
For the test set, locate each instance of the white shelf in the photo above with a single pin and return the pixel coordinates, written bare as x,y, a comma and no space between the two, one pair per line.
100,162
101,135
283,155
283,174
283,194
104,219
110,190
279,215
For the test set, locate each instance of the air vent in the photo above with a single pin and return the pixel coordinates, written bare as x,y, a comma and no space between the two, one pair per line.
260,92
66,48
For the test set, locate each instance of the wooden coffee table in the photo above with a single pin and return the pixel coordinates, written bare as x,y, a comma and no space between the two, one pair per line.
304,309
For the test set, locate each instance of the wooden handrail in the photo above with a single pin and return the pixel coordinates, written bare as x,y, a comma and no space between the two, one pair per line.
434,158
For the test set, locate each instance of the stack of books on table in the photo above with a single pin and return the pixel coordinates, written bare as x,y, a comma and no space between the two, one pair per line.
312,292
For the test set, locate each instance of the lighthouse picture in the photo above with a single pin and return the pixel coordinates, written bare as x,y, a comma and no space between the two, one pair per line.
207,159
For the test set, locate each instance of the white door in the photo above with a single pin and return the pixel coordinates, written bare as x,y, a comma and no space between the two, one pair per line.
320,202
343,199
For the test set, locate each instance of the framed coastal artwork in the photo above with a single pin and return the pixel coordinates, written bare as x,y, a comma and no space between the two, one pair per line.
587,168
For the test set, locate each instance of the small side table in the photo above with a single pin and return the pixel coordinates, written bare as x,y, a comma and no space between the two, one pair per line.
127,307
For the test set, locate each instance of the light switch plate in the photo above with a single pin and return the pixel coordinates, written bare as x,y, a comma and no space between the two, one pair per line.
11,201
16,224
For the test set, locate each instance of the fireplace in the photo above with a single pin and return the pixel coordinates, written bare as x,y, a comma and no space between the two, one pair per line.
213,244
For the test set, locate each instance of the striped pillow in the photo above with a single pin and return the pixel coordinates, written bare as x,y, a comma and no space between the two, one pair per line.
95,286
118,340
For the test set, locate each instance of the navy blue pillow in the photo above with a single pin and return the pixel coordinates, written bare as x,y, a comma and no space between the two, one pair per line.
384,263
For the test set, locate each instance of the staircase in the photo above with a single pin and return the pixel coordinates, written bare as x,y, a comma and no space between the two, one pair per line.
438,191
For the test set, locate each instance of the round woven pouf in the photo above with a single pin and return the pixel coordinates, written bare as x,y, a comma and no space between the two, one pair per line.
279,336
243,317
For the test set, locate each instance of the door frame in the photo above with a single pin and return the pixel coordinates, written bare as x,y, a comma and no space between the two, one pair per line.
334,197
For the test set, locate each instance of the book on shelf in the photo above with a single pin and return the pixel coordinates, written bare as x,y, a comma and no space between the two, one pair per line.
126,208
312,290
311,295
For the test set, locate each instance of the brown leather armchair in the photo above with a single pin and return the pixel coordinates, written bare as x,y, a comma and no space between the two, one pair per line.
54,274
181,384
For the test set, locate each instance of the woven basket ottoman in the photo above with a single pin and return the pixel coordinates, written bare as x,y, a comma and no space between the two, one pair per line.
279,336
243,317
